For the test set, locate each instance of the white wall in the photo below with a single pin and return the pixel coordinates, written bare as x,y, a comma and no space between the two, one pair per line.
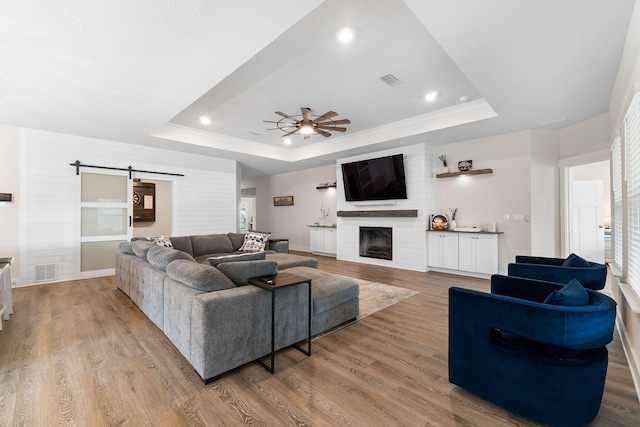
481,199
9,183
585,137
292,222
545,194
409,234
628,76
204,200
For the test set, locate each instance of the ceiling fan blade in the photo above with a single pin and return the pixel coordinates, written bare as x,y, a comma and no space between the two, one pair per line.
325,116
342,122
323,133
306,113
307,136
280,113
331,127
290,133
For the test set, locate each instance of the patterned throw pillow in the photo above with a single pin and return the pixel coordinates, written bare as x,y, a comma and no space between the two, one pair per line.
162,241
254,242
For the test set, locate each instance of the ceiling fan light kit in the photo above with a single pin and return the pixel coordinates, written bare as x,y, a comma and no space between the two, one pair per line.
309,124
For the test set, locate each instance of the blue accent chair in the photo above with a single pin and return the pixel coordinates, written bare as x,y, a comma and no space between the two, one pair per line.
591,274
544,362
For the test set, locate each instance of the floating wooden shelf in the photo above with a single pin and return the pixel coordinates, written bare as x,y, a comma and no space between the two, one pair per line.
471,172
387,213
322,186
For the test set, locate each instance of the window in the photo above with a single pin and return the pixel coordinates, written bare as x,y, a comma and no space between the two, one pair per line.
616,232
632,170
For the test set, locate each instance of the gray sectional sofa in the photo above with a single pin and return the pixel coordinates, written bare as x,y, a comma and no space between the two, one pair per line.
211,314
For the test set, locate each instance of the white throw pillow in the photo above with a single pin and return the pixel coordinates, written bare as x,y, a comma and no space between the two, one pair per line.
162,241
254,242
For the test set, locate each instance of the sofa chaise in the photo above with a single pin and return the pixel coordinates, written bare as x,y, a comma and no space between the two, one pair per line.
211,314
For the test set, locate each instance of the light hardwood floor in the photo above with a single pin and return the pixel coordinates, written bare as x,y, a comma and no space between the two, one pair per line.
81,353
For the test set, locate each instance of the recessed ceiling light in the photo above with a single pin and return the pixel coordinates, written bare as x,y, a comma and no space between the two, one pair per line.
345,35
287,141
431,96
205,120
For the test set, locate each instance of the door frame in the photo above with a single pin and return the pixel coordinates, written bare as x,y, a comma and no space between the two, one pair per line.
565,166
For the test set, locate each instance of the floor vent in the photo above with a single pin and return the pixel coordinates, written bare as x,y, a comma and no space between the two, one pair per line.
46,272
390,79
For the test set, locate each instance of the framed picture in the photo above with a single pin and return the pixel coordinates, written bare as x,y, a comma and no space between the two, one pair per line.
283,201
438,222
144,202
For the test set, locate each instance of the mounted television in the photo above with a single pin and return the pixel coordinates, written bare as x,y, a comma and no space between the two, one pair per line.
374,179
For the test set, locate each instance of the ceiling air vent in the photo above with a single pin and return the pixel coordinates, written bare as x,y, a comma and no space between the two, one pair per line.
253,132
390,79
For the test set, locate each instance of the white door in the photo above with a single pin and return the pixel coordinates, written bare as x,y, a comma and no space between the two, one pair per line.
587,220
106,208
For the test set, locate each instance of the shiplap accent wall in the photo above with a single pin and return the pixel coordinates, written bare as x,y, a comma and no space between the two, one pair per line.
204,200
409,234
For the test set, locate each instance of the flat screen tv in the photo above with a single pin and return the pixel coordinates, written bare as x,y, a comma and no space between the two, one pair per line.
374,179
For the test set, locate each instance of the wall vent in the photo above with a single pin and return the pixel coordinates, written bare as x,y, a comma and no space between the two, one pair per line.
46,272
390,79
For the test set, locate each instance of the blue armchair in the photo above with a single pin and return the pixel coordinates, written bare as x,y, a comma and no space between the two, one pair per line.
541,361
590,274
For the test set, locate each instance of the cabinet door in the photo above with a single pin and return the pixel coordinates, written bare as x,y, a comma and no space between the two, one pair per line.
330,241
486,254
316,239
442,250
466,252
434,249
449,251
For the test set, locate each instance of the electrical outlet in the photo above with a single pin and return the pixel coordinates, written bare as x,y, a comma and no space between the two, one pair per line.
518,217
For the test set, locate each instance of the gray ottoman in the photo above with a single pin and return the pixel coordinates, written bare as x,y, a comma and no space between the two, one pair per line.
286,261
335,298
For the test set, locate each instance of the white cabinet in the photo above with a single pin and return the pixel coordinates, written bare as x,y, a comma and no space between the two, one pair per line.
442,250
465,252
323,240
478,253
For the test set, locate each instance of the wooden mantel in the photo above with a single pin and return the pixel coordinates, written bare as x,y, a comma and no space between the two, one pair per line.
398,213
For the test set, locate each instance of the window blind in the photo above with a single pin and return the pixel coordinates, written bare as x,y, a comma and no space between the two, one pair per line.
632,169
616,232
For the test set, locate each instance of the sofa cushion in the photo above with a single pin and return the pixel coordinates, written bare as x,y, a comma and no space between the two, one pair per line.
286,261
240,272
247,256
574,260
254,241
126,248
199,276
140,247
571,294
161,256
182,243
211,244
237,239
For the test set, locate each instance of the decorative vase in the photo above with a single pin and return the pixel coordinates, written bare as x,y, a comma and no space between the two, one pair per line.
452,224
445,170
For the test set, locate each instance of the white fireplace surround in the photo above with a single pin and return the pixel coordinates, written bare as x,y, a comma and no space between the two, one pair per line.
409,233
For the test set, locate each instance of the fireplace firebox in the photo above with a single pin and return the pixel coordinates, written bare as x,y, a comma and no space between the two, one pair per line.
376,242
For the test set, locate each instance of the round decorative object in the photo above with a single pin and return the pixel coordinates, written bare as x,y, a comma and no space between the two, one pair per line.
452,224
445,169
136,199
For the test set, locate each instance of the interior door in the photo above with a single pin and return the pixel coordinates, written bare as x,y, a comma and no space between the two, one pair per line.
106,220
587,220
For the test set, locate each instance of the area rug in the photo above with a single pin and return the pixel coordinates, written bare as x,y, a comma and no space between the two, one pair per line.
373,298
377,296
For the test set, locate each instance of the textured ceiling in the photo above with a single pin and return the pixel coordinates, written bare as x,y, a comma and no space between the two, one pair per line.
143,72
